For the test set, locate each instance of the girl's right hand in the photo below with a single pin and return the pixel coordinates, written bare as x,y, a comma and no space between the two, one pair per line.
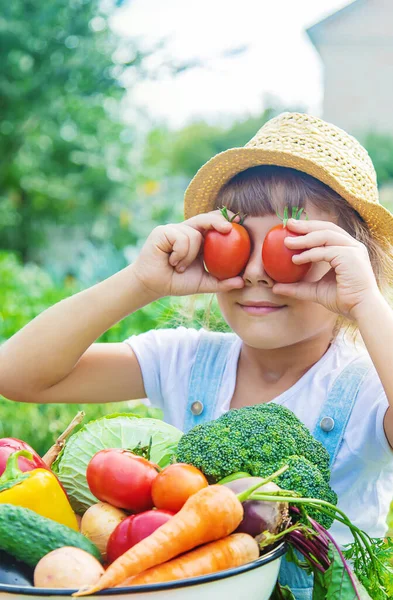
171,260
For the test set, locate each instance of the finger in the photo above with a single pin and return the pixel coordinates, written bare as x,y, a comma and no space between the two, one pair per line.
180,243
212,220
302,226
303,290
329,254
230,284
324,237
195,243
210,284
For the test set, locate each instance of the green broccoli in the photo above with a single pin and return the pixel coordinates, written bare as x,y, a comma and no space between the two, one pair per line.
259,440
306,479
307,445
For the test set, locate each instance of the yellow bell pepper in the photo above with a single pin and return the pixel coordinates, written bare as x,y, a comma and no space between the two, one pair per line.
38,490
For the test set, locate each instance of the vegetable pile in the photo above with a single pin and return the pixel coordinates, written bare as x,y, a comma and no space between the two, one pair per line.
259,440
225,493
113,431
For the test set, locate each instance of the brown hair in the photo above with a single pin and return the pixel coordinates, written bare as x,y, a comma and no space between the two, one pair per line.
264,190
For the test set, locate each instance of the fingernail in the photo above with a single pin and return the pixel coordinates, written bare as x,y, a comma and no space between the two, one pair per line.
181,269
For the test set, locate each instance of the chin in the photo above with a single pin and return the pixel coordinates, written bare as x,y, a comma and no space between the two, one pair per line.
262,337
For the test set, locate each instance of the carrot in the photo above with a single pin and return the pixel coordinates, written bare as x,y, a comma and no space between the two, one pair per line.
211,514
232,551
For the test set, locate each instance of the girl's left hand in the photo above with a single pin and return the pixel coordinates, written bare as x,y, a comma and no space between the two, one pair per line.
350,280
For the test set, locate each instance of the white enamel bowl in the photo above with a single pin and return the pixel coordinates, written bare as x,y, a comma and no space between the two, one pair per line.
254,581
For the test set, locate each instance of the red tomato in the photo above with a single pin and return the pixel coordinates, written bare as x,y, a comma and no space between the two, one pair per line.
226,254
175,484
133,529
10,445
277,258
122,479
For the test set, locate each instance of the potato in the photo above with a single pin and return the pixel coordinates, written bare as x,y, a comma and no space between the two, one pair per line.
67,567
99,521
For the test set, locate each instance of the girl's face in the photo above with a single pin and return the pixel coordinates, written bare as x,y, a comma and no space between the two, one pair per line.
287,321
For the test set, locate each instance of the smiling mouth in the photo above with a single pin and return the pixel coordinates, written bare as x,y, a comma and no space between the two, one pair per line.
261,308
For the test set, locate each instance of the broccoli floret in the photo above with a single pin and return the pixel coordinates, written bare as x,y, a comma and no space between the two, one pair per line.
240,440
259,440
213,448
307,445
307,480
254,439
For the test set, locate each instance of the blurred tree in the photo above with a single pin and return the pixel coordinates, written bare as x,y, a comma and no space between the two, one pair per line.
64,148
184,151
380,148
198,142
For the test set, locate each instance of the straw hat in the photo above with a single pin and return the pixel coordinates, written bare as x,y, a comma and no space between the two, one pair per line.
307,144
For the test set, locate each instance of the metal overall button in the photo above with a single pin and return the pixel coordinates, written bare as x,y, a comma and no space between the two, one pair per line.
197,408
327,424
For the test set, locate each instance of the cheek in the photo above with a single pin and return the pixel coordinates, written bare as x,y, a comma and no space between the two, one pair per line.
227,307
223,302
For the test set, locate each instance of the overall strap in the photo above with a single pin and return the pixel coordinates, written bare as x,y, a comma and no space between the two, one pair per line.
206,375
338,405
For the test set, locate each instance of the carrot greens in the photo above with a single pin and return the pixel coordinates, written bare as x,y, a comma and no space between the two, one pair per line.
362,571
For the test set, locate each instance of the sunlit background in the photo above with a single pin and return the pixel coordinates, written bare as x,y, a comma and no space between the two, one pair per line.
107,109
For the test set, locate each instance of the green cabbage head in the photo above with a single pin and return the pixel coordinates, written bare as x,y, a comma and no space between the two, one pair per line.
113,431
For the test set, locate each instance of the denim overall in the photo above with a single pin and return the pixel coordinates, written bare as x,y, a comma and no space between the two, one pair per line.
204,387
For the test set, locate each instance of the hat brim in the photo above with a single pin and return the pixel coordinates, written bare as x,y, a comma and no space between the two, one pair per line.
202,192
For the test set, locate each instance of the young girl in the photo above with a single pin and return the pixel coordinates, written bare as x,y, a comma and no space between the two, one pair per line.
288,344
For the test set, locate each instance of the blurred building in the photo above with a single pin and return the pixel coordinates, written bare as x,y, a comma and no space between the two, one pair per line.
356,48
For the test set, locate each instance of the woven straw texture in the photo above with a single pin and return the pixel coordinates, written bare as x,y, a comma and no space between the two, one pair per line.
308,144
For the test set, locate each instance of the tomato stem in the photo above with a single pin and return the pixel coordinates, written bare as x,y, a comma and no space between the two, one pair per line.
296,214
224,212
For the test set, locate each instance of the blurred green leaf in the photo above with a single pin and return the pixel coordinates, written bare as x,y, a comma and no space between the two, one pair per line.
380,149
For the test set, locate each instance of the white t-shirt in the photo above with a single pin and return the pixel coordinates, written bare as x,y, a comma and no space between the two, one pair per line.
362,474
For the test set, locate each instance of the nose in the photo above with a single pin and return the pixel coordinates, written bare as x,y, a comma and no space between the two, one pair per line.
254,273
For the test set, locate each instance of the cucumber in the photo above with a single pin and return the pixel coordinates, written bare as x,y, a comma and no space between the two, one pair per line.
28,536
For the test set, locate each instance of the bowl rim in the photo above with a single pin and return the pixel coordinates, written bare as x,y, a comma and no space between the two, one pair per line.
153,587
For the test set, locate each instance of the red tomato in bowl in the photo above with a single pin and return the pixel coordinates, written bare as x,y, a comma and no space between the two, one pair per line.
175,484
122,479
277,258
226,254
133,529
